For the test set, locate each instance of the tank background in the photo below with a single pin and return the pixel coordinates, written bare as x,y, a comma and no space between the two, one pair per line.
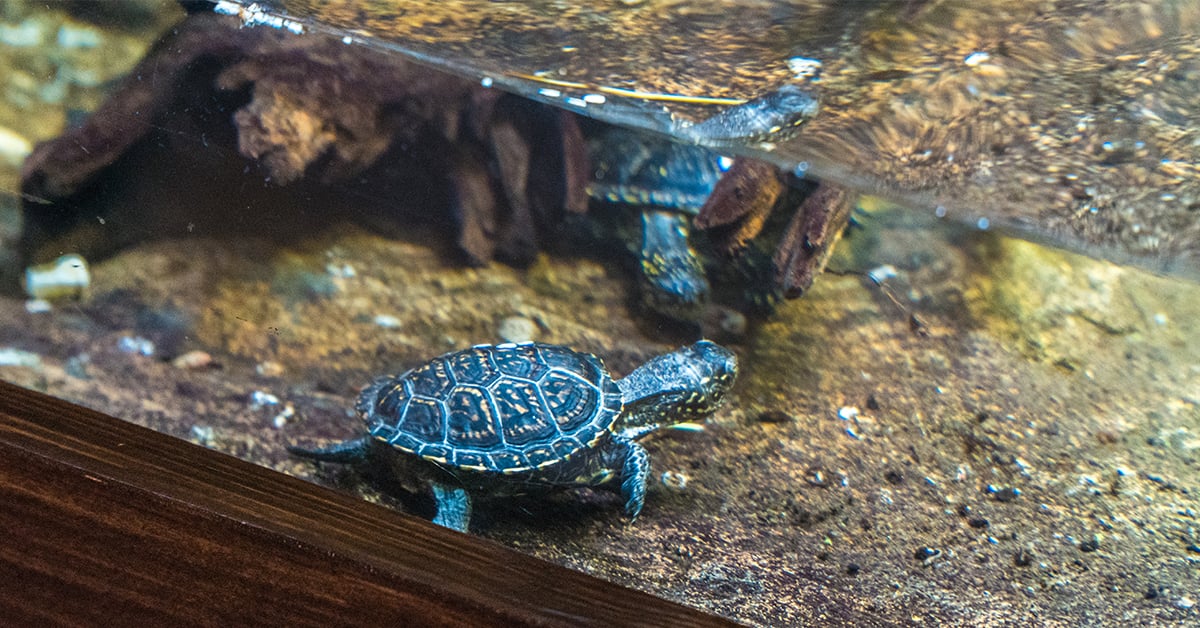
1030,459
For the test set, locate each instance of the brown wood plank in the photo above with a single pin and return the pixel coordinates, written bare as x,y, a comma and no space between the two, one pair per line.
103,521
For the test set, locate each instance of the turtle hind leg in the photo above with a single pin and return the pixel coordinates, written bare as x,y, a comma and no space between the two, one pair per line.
453,507
344,452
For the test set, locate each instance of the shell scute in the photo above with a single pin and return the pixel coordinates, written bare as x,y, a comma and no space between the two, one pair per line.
471,420
423,419
520,361
522,413
473,366
431,380
571,401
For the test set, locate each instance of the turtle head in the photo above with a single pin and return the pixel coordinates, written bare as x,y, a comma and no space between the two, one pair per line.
716,369
685,385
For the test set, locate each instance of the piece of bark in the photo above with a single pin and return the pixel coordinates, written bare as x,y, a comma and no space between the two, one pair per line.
810,237
296,129
740,203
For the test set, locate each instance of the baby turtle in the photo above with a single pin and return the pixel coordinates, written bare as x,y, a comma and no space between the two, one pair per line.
668,182
513,419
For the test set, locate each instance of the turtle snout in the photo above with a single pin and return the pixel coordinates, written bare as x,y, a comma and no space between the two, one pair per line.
719,366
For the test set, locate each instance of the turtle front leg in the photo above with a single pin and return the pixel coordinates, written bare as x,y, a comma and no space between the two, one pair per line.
453,507
635,468
673,279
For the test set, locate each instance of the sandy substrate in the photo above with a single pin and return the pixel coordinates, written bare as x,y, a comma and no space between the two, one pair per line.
1027,454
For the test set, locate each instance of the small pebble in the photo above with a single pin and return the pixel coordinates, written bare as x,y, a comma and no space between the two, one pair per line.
775,416
732,322
14,148
77,366
516,329
803,68
18,357
136,345
1005,495
38,306
976,58
203,434
281,419
925,553
259,399
269,369
193,360
24,35
75,37
882,273
343,271
677,481
387,321
65,277
816,477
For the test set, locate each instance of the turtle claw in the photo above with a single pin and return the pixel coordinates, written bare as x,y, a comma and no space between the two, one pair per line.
634,472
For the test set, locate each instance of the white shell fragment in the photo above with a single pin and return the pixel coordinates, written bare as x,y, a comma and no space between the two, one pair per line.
20,358
14,148
65,277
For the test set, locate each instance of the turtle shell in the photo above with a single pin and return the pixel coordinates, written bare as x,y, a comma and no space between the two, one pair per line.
638,169
501,408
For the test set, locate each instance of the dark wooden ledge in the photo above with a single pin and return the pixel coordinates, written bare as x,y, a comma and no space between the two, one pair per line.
105,522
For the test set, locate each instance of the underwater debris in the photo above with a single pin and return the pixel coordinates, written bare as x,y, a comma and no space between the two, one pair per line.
65,278
324,125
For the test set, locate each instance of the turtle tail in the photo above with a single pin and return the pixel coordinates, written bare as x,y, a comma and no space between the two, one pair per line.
344,452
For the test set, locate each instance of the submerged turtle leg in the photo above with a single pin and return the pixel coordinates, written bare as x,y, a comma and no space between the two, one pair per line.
344,452
635,468
673,281
453,507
